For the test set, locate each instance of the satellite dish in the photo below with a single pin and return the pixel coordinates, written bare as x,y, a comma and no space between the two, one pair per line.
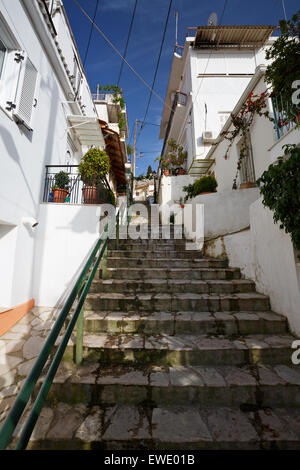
212,19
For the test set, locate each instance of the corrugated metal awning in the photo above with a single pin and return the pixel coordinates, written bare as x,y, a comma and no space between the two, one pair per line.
200,167
239,36
87,130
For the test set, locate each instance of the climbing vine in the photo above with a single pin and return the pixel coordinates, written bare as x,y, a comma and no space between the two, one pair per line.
280,188
242,121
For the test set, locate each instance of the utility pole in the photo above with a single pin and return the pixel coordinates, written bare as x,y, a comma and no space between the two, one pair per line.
133,155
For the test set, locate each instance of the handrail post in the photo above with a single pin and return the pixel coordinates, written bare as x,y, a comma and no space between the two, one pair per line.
79,334
118,231
104,260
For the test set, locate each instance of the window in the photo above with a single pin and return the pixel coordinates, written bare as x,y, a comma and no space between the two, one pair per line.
3,51
223,116
247,174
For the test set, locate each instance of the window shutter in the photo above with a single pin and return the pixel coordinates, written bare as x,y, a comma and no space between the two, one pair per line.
25,92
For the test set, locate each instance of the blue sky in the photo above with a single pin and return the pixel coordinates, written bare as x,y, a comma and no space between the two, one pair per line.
113,18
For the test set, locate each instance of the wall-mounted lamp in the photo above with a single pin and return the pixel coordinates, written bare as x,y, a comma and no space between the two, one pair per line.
29,222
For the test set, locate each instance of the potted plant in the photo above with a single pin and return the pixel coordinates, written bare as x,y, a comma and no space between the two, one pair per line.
61,188
176,156
204,185
94,165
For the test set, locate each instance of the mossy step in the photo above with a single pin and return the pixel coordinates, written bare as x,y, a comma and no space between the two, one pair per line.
223,385
129,262
225,323
186,349
138,273
154,254
172,285
172,302
165,428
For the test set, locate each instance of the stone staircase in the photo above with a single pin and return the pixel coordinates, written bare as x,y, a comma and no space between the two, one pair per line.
180,353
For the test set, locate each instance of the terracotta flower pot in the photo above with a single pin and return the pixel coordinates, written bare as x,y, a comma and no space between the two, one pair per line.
89,194
59,195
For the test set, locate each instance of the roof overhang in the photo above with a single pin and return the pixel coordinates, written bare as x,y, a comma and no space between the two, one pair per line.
87,130
237,36
200,167
114,150
177,68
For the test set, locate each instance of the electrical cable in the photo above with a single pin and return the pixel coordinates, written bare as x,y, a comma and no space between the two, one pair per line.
91,33
157,65
127,42
119,53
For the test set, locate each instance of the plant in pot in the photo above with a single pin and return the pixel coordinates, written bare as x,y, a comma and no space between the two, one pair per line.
204,185
61,187
177,156
93,166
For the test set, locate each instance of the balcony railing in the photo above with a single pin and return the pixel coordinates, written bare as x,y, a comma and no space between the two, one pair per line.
77,193
283,120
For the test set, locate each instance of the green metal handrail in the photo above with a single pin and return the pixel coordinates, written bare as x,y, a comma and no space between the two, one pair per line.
80,289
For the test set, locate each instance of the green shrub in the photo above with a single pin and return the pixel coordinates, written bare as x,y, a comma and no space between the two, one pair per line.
280,188
93,165
62,180
205,184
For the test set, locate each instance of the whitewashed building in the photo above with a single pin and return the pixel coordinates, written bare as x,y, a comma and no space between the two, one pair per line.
206,81
47,118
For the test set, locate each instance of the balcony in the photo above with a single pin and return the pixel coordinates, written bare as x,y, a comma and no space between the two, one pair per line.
77,193
283,112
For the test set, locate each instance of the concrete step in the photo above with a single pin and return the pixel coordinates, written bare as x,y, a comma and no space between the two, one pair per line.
120,262
224,323
194,427
166,349
172,273
96,384
154,254
177,302
172,286
156,243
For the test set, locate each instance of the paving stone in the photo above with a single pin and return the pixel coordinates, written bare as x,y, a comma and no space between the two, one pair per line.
273,428
288,374
32,347
25,367
124,423
229,425
91,428
179,424
43,424
66,421
237,376
185,376
266,376
210,376
117,375
159,377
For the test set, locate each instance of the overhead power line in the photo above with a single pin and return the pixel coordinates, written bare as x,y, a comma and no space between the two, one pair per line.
91,33
127,42
119,53
157,64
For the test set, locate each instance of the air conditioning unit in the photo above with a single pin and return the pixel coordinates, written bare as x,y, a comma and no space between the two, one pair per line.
207,137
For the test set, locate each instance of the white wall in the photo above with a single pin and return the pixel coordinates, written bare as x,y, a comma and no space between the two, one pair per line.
25,153
171,188
274,261
227,211
64,238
